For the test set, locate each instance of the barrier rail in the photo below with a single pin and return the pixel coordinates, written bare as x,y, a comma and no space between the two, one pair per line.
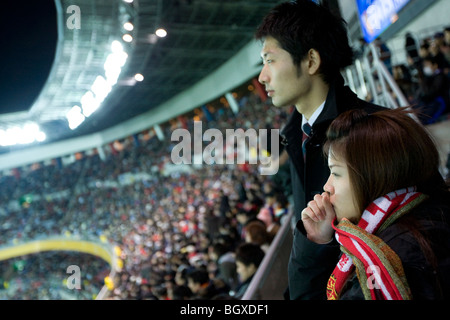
370,79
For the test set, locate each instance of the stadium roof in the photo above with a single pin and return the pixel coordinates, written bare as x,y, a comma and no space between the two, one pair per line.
59,54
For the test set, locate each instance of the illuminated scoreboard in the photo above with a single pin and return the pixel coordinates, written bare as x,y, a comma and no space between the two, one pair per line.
376,15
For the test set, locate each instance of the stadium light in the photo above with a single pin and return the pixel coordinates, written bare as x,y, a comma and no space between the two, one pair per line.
161,33
114,63
89,104
27,134
128,26
101,88
127,37
75,117
41,136
3,138
116,47
10,137
139,77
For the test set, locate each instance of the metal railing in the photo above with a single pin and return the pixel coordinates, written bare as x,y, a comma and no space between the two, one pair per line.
371,80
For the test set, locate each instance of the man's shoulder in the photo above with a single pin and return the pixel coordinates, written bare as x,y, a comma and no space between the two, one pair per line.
371,107
347,100
351,101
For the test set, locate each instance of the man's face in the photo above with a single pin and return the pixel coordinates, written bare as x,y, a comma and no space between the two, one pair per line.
195,287
284,82
244,272
447,36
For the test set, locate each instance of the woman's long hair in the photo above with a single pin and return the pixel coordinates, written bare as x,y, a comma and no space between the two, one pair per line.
385,151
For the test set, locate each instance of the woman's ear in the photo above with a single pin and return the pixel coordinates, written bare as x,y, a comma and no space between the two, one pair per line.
314,61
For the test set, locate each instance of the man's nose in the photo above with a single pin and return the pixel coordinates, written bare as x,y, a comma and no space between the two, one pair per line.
263,78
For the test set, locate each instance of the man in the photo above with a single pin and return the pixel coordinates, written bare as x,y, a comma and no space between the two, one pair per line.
304,49
202,287
224,257
248,259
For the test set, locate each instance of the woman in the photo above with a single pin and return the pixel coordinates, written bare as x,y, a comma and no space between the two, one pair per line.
387,206
256,233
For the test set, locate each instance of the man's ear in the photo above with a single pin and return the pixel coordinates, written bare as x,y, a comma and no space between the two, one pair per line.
314,61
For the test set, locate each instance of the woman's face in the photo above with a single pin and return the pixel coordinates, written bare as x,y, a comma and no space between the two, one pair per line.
340,189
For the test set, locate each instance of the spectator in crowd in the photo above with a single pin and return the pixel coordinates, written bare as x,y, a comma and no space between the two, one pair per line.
281,208
437,49
243,218
224,204
202,287
213,221
180,293
374,160
403,78
248,258
433,94
384,53
257,233
411,48
223,255
304,48
267,213
181,290
447,36
424,49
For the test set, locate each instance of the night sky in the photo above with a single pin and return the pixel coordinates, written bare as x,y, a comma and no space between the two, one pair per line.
27,51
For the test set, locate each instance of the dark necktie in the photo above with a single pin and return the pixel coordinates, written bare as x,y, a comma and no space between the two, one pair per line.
306,128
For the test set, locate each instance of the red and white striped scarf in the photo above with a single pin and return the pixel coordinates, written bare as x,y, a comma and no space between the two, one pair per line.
379,269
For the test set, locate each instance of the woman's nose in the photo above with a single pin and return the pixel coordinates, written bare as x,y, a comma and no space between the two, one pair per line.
328,187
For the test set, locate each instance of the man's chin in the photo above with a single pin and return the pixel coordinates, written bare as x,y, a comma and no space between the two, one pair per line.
277,104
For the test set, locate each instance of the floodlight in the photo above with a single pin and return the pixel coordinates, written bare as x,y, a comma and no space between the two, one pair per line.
75,117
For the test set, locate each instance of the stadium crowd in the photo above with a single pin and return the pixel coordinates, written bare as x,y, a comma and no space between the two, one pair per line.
424,78
163,221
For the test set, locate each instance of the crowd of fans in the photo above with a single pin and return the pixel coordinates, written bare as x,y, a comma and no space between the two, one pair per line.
45,276
178,231
425,78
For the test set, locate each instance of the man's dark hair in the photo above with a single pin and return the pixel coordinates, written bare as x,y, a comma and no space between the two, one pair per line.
303,25
431,59
220,248
198,276
249,253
